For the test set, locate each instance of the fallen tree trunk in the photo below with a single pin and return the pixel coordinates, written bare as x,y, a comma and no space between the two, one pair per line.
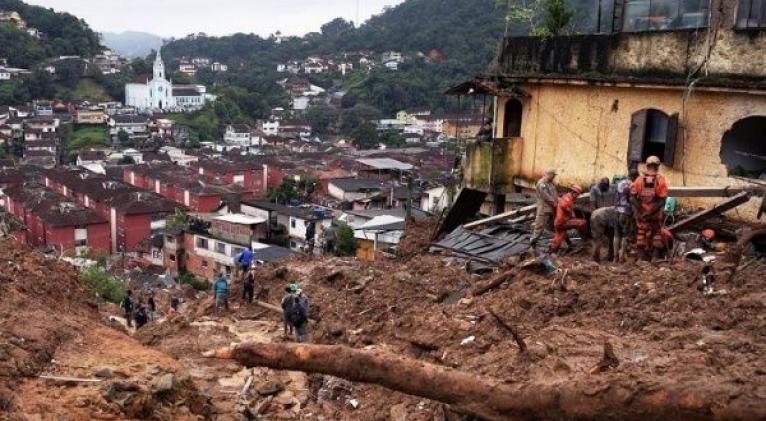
593,397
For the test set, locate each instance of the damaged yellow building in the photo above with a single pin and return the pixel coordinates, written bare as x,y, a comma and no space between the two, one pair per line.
685,82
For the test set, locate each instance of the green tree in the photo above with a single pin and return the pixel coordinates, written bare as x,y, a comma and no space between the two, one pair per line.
392,139
13,92
365,136
336,27
556,17
123,137
357,116
321,118
345,240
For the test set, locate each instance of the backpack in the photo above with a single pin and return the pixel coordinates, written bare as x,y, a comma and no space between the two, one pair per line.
294,312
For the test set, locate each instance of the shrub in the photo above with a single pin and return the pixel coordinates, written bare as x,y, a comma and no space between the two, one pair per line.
345,243
104,285
186,278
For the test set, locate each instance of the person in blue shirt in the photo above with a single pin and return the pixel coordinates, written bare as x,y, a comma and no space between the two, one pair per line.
244,260
221,292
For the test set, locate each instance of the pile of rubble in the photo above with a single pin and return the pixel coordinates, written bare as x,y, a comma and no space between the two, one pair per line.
619,336
59,357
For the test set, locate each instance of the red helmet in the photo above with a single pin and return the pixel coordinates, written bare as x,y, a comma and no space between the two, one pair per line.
577,189
708,234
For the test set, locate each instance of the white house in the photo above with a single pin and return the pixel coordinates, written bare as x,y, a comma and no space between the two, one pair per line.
238,134
301,103
270,127
434,200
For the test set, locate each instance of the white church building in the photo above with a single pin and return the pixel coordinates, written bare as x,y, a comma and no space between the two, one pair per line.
159,94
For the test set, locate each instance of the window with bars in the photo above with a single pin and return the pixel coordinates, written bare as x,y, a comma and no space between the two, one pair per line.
751,14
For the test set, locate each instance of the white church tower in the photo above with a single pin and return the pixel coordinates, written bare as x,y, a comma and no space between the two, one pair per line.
160,89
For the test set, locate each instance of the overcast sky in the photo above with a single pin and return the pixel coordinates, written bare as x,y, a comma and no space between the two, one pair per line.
215,17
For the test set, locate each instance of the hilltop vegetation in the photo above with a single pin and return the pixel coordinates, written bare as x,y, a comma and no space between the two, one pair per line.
462,35
62,34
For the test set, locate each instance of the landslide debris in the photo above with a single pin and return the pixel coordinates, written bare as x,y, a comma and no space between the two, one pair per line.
50,325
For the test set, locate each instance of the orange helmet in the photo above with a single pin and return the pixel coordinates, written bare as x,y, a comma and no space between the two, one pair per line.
577,189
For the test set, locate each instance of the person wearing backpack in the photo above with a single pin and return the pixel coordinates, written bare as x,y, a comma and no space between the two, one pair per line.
296,308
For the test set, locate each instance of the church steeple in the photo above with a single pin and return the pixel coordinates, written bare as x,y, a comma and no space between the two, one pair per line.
159,66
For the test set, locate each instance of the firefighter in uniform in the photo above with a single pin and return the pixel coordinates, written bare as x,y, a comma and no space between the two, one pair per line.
648,195
565,218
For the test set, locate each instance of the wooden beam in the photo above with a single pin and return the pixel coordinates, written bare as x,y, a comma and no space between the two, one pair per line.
718,209
501,216
706,191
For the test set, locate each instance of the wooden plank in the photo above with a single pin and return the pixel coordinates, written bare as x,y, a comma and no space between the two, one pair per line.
526,210
706,191
504,215
714,211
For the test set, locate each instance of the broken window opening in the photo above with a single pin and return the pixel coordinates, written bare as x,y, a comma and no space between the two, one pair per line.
652,133
743,148
512,118
751,14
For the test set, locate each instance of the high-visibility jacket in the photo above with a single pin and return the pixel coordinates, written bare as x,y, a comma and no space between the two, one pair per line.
649,188
564,209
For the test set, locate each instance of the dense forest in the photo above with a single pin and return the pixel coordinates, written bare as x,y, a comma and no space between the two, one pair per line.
62,34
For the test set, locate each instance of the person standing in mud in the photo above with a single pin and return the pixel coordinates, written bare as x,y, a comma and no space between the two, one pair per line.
624,222
127,306
287,301
310,234
152,306
248,286
141,317
648,195
547,197
298,315
221,293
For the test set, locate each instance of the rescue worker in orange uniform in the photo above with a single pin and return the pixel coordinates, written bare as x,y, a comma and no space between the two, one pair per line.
565,218
648,195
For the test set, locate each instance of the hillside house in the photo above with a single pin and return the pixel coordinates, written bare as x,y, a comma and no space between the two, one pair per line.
290,220
683,83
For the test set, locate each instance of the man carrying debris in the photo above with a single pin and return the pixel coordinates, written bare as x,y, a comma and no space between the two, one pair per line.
127,305
649,193
296,310
221,293
624,222
600,195
547,197
565,219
